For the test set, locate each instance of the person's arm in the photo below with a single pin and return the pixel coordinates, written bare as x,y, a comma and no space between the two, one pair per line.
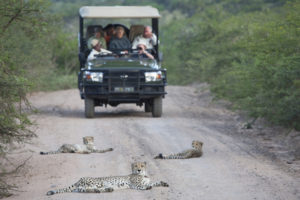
149,55
154,39
128,44
103,42
112,45
91,56
105,51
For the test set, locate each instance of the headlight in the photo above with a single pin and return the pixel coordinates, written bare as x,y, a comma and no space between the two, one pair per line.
93,76
153,76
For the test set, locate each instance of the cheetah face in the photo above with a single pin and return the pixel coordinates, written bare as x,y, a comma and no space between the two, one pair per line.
139,168
88,140
197,144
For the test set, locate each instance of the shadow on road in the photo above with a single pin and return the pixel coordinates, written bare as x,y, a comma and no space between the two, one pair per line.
99,112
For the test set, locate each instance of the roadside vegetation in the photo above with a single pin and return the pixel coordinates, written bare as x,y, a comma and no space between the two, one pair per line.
247,50
32,57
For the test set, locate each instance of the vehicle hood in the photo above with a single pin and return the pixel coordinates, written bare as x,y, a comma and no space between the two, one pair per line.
123,63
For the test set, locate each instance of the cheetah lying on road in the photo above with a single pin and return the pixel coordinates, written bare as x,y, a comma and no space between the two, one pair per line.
87,148
137,180
191,153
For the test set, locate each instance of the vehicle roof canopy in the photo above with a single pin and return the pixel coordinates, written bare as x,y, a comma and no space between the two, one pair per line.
118,12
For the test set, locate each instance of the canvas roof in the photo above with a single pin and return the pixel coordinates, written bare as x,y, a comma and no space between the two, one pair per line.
118,12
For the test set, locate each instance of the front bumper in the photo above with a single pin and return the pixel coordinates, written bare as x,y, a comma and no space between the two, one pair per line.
116,88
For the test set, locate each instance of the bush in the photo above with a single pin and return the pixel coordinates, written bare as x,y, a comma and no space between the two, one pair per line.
249,54
20,23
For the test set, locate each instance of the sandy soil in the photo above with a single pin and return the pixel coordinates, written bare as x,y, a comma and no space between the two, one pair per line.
237,163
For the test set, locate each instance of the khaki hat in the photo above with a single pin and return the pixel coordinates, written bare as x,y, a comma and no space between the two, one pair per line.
95,42
142,43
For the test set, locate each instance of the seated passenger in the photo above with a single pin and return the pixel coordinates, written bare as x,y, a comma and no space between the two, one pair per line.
110,33
148,38
143,53
98,36
120,41
97,50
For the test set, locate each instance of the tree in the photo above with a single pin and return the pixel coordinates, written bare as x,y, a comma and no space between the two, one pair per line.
20,22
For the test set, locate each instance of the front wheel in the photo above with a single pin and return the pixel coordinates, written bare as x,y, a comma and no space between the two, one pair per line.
157,107
89,108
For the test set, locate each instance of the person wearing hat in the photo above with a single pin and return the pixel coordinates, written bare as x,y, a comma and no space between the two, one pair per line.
98,36
143,53
97,50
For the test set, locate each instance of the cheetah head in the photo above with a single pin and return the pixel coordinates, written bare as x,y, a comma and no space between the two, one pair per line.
197,144
88,140
139,168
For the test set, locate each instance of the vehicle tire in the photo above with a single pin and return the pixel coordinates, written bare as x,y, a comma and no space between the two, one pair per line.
157,107
89,108
148,107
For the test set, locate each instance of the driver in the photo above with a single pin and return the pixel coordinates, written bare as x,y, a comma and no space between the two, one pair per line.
97,50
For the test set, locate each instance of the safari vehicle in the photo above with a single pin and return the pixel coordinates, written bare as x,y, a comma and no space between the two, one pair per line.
117,78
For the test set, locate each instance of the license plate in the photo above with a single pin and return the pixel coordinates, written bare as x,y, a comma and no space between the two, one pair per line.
123,89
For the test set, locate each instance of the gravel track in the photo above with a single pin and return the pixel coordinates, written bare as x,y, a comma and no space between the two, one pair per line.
232,166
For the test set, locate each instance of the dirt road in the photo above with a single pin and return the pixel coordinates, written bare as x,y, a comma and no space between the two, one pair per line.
233,167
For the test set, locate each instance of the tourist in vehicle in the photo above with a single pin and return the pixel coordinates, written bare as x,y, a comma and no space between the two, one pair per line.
98,35
120,42
143,53
109,33
148,38
97,50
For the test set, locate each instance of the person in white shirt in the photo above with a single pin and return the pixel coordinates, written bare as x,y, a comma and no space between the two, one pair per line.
147,38
97,50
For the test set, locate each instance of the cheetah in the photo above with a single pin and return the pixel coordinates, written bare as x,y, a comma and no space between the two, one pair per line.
190,153
137,180
87,148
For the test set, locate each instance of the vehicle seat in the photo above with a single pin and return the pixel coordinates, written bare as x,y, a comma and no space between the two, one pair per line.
135,30
90,31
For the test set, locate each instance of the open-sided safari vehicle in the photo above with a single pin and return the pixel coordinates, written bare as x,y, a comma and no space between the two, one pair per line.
119,77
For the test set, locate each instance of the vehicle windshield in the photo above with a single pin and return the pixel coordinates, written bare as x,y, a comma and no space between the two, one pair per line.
128,60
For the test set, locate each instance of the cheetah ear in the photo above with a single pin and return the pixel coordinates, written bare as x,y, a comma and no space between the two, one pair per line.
145,163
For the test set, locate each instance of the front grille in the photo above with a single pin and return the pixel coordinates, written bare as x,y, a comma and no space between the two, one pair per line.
124,81
124,85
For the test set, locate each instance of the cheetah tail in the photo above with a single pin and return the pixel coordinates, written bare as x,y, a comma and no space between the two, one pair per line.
68,189
160,156
174,157
104,150
49,152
